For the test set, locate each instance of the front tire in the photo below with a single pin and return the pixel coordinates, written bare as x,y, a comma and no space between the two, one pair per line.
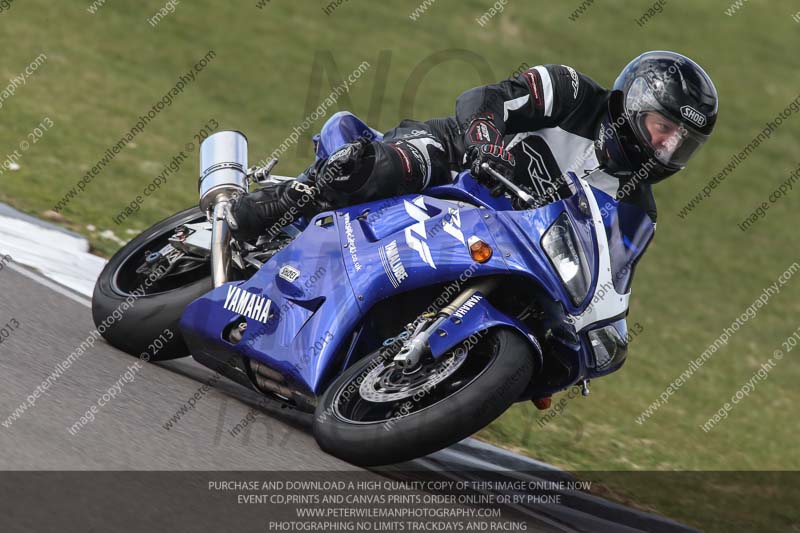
161,305
382,428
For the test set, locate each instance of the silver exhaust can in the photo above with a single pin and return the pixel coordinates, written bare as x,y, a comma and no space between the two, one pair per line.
223,167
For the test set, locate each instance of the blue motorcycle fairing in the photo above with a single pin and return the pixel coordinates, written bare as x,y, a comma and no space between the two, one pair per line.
629,231
313,310
416,241
476,315
521,232
358,260
465,188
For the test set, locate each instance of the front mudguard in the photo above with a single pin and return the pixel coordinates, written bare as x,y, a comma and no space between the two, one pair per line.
467,322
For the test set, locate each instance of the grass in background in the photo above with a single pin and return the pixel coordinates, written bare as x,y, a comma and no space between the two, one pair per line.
273,67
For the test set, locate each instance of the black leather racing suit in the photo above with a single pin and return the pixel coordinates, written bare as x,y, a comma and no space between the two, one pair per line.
548,117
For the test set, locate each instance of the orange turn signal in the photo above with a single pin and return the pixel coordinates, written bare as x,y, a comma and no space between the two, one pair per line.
480,251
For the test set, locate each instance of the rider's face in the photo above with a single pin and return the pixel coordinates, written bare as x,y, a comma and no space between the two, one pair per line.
665,135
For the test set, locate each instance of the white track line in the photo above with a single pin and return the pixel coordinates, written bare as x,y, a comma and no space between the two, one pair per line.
55,255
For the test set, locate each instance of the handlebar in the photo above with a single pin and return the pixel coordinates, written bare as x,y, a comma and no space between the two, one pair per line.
261,174
522,195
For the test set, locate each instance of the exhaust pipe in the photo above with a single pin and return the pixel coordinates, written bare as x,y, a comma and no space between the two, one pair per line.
269,380
265,371
274,386
223,175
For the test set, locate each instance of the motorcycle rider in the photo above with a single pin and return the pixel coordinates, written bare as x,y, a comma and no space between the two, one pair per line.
534,128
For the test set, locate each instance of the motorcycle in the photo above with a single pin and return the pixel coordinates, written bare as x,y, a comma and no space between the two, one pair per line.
405,324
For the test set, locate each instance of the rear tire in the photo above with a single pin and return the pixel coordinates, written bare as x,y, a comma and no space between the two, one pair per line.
149,315
378,439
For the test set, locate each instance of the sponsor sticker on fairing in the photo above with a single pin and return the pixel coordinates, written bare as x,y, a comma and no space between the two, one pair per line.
392,264
247,304
351,242
289,273
467,306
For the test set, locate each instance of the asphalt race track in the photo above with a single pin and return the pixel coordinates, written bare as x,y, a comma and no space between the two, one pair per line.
127,432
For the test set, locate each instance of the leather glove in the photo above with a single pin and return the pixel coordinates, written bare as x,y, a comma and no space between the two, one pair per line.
498,158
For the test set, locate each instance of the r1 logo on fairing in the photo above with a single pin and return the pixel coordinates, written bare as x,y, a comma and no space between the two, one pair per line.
453,226
416,235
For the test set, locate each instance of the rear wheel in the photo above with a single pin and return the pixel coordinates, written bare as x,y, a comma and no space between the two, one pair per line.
137,298
378,413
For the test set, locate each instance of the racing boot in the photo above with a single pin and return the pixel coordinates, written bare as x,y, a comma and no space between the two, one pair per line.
265,211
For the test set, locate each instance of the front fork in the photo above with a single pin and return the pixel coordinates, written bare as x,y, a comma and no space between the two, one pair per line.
418,345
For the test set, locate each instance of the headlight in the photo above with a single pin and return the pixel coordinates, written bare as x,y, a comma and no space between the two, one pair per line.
562,247
608,345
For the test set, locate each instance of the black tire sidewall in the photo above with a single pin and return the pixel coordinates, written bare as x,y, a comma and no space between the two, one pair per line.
148,316
440,425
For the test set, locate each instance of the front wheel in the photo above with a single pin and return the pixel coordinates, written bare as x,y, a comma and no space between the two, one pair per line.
377,413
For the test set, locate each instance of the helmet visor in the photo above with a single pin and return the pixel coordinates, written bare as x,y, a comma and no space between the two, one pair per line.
670,140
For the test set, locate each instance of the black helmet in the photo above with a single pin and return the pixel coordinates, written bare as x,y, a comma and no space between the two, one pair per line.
662,109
